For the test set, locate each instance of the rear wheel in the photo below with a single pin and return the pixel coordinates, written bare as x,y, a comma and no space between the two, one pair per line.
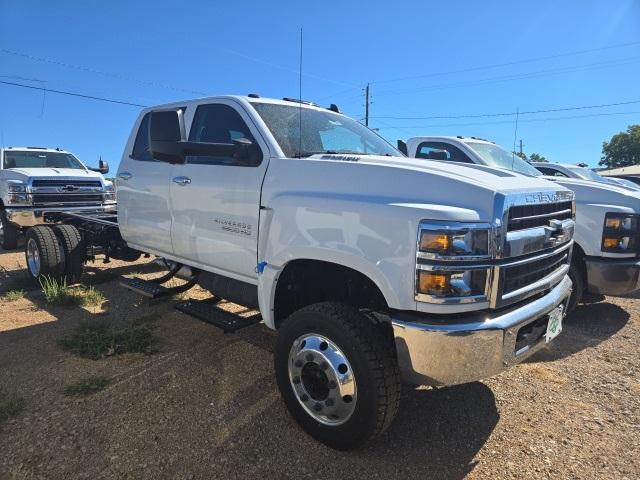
8,233
73,251
337,374
43,253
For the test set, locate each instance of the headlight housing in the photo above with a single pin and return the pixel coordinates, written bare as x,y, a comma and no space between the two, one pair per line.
109,192
17,193
621,233
444,273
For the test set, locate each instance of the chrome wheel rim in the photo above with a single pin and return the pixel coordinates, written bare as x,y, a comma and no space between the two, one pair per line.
1,229
322,379
33,257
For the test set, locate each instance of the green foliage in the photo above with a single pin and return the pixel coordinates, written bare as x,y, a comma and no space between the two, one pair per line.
97,340
521,155
59,293
10,405
13,295
623,149
536,157
87,386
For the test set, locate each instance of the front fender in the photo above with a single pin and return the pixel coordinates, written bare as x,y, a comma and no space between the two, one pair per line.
377,239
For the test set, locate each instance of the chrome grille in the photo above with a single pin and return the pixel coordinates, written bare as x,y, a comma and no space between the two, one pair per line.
64,183
66,198
60,192
522,275
522,217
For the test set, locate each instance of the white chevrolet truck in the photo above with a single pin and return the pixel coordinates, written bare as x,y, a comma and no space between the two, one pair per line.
606,255
371,266
35,180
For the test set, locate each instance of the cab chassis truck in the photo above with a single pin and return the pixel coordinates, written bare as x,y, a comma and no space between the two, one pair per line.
371,266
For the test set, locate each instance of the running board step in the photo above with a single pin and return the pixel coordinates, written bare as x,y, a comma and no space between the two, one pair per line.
208,311
144,287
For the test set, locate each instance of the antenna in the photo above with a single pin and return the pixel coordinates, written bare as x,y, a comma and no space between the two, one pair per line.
515,135
300,98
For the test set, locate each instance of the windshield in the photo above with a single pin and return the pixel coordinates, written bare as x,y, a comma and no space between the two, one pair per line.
39,159
322,132
496,156
587,174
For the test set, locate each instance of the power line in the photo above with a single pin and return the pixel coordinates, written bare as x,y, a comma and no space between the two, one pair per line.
505,114
507,64
510,122
72,94
96,71
521,76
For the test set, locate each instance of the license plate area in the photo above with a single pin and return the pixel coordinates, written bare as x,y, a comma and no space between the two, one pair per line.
545,328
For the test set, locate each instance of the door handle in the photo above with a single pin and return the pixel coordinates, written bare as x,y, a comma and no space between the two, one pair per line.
182,180
125,175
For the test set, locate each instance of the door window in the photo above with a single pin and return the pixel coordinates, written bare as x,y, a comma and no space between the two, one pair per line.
218,123
441,151
551,172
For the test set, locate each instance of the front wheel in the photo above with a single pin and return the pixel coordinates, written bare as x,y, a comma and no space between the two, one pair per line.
337,374
9,233
579,282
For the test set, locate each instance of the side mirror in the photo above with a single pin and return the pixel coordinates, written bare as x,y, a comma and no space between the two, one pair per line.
243,150
103,167
166,134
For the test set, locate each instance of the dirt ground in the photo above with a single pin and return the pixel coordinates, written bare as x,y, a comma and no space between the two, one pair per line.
205,405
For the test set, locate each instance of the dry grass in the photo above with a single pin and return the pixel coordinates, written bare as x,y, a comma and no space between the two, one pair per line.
59,293
87,386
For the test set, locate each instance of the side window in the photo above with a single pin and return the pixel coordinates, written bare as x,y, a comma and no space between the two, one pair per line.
217,123
441,151
552,172
141,145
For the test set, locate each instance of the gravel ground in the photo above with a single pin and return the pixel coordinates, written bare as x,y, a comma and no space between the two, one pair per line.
206,405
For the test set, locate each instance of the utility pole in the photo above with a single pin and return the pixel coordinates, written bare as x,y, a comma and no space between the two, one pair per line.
366,105
520,147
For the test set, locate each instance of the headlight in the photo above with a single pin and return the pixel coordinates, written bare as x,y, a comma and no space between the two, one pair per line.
452,262
452,284
456,242
17,193
110,192
620,233
16,186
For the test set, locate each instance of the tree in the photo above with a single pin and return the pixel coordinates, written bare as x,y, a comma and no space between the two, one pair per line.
536,157
521,155
623,149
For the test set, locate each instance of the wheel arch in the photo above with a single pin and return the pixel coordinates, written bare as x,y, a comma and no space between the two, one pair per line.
305,281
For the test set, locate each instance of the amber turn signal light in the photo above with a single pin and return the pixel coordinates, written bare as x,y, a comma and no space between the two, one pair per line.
434,283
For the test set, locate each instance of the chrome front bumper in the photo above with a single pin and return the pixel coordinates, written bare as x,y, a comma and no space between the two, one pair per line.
612,276
31,216
471,347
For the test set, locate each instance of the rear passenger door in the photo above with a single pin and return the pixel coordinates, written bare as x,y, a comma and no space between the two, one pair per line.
144,216
216,200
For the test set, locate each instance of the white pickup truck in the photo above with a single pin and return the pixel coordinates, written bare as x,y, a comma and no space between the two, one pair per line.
36,180
371,266
607,235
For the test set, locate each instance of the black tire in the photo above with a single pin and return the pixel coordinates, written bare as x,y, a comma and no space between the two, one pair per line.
9,233
370,351
49,253
73,250
579,281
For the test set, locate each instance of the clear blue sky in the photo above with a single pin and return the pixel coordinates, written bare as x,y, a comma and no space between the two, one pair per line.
153,52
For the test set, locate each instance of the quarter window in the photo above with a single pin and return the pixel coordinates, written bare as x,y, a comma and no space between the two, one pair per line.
441,151
551,172
218,123
141,145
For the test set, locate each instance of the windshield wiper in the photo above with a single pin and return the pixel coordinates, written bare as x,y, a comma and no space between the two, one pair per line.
308,154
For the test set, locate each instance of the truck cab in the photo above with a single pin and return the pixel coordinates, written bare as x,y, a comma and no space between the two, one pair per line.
36,180
606,255
372,267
